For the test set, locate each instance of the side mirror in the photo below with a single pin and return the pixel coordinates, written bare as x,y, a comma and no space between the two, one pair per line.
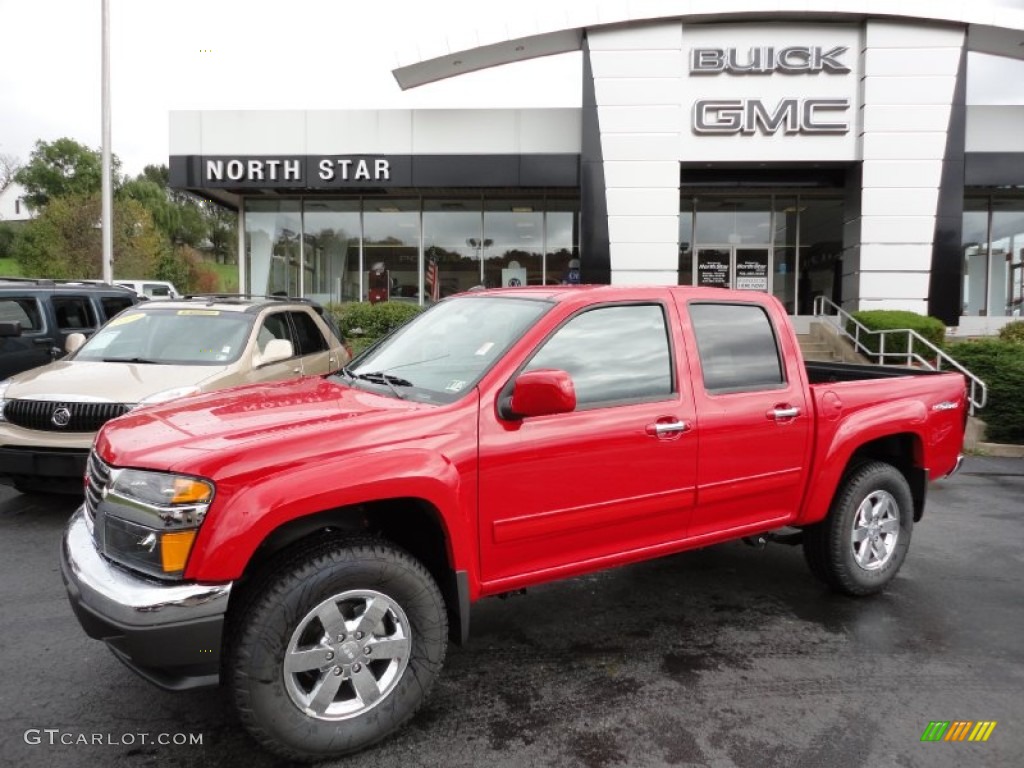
10,328
540,393
73,342
277,350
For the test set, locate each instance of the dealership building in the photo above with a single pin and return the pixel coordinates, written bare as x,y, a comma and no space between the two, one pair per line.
819,149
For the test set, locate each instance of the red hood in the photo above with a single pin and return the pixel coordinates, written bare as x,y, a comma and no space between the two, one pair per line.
250,419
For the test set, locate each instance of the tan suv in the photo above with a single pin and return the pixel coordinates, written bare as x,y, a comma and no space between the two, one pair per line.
150,353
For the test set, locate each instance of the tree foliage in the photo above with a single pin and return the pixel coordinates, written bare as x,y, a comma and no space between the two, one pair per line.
64,241
59,169
9,167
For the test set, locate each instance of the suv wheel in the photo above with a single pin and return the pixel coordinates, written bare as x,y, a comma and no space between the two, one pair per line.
337,649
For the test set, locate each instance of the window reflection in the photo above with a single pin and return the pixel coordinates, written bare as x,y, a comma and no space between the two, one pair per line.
331,250
737,348
391,250
272,229
513,244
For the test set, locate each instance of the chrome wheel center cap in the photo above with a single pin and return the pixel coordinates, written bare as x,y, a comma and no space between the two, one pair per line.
349,650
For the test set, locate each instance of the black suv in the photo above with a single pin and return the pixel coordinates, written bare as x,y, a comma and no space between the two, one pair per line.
37,316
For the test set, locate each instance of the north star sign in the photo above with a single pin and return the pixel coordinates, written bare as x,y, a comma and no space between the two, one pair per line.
793,116
327,169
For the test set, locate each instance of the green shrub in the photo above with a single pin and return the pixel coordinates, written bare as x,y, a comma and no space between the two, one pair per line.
1013,332
931,328
363,320
1000,364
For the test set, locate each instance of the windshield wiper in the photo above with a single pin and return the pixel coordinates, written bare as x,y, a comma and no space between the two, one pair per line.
380,377
130,360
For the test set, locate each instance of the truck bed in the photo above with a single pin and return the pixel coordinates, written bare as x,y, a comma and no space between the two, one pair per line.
824,373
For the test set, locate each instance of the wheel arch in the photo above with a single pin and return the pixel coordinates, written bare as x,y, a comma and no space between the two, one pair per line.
903,450
412,523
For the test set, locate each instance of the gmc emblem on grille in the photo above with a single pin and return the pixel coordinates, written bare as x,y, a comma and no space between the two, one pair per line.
61,416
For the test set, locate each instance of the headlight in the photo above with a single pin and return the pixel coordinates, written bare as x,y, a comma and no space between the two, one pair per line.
3,390
150,519
167,394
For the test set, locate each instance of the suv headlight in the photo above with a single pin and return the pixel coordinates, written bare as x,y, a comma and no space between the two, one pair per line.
150,519
3,391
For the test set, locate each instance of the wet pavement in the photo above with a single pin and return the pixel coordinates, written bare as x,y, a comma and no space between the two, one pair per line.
727,656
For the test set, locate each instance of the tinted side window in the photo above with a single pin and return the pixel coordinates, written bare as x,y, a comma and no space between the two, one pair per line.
612,353
737,346
114,304
307,334
24,311
73,313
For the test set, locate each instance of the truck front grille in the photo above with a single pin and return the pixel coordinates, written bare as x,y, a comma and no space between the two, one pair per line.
97,475
50,416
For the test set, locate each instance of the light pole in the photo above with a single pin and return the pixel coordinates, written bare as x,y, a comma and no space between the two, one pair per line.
107,192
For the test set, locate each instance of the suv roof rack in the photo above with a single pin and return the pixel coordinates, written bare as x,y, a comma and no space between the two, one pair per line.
46,281
244,296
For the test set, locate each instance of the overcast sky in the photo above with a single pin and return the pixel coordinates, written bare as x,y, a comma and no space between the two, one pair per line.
268,54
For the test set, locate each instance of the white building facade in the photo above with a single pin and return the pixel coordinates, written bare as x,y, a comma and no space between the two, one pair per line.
826,150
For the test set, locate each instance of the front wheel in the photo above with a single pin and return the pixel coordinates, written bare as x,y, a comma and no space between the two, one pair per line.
859,548
338,648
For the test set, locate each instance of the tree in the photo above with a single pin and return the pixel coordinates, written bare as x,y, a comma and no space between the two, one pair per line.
62,168
9,167
64,240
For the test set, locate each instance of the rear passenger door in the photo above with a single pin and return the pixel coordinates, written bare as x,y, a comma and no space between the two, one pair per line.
754,421
32,348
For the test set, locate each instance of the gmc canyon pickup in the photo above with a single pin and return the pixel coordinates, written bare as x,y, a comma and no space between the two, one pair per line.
315,544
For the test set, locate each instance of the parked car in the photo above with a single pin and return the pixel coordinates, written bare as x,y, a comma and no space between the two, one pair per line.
37,316
151,289
153,352
313,543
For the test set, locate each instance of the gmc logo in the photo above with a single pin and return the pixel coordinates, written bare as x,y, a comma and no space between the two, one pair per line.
746,117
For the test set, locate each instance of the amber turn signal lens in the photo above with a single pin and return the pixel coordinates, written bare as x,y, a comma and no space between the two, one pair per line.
174,549
189,491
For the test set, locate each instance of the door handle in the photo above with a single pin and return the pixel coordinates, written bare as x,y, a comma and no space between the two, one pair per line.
41,342
667,428
785,412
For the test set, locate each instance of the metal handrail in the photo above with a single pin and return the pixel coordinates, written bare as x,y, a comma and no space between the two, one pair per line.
910,357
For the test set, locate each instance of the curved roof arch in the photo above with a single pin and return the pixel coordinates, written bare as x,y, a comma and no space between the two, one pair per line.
994,27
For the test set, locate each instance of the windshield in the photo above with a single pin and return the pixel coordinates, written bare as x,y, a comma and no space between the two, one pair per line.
170,337
444,352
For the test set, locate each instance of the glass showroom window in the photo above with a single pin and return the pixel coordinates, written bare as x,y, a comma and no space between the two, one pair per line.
993,245
272,246
331,268
561,241
452,230
391,250
513,244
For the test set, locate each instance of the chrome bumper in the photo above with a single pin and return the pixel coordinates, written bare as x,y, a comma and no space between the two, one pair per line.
168,633
956,467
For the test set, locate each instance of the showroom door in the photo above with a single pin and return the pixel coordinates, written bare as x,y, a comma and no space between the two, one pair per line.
744,268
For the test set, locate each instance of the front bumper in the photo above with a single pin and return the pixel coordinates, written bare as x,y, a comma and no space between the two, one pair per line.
43,464
169,634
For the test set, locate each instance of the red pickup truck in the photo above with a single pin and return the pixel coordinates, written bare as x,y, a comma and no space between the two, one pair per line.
315,544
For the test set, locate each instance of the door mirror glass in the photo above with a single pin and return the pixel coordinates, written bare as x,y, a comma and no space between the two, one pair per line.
73,342
541,393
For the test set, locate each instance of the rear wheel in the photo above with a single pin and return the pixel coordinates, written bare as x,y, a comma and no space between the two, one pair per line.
337,649
859,548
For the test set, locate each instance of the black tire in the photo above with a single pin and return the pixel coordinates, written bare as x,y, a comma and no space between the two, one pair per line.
829,546
345,574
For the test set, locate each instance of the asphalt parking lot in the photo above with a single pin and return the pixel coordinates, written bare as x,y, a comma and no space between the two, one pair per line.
722,657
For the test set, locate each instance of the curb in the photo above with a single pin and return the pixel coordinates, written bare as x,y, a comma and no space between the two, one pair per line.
999,450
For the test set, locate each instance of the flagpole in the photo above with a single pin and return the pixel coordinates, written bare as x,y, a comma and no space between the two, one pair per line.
107,192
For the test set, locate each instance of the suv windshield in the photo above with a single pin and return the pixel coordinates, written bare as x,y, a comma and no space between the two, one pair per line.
446,350
170,336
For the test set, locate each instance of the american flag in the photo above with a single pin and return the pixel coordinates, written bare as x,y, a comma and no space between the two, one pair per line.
433,280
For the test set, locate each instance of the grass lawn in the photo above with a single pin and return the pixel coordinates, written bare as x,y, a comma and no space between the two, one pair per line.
9,268
228,274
